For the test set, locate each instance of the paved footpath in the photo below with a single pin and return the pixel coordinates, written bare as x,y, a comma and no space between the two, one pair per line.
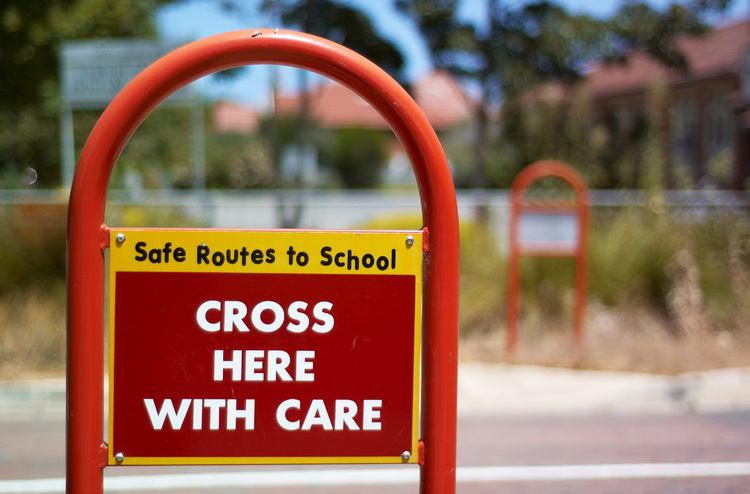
485,388
521,429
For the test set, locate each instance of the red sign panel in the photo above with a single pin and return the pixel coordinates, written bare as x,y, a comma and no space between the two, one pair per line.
262,367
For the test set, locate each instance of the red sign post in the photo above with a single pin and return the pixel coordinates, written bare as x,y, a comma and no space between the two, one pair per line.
88,237
568,241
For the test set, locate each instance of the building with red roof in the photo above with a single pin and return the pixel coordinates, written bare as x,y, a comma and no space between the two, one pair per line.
332,107
709,120
233,117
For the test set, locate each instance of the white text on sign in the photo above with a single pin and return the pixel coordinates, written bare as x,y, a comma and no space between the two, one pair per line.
346,414
265,366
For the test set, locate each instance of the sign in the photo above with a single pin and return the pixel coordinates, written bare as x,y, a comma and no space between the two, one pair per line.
556,228
242,347
92,72
548,232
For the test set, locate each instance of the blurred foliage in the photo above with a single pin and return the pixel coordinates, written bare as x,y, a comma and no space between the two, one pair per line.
32,246
357,155
604,153
342,24
636,261
522,45
30,32
518,47
159,154
32,279
483,285
628,254
32,331
238,161
352,28
357,163
151,217
641,258
394,222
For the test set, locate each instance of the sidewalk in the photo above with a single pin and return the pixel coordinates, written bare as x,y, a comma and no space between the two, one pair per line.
501,389
39,399
518,389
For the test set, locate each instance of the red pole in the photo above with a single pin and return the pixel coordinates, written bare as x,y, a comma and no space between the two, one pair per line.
514,275
581,263
85,457
86,216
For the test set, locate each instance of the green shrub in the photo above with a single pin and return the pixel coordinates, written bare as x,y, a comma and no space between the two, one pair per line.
32,330
149,217
483,281
636,261
32,246
629,251
406,221
357,155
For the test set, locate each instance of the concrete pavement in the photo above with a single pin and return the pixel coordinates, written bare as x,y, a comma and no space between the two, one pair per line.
502,389
487,388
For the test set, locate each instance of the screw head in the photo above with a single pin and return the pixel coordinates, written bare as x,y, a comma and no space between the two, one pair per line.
405,456
120,238
409,240
119,457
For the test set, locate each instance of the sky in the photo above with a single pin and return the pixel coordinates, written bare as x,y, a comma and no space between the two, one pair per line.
189,20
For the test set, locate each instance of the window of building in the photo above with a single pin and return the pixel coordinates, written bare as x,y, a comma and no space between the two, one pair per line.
719,134
685,135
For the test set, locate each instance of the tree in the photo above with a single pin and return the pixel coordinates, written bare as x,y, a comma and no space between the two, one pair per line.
348,27
356,154
521,46
30,32
342,24
351,28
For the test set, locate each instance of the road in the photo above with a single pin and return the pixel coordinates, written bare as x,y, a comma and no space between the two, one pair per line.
578,453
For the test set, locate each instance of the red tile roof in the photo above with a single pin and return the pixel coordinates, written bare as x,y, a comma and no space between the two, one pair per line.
442,101
231,117
717,53
335,106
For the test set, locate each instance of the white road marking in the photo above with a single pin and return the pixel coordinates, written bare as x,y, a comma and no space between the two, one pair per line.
387,476
601,472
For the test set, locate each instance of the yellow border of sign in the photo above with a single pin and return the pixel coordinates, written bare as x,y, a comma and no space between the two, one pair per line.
257,243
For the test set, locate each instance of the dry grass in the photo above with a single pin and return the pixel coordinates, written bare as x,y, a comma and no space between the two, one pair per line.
32,333
32,341
664,309
616,340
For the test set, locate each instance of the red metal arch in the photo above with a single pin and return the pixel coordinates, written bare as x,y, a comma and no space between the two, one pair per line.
86,231
527,176
550,168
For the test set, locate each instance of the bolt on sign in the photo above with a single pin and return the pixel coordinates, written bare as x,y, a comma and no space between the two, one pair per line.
249,347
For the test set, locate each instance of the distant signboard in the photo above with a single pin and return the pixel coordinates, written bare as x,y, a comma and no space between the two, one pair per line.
240,347
92,72
547,226
548,232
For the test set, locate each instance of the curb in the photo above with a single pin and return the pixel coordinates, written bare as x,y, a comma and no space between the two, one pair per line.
516,389
501,389
39,399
